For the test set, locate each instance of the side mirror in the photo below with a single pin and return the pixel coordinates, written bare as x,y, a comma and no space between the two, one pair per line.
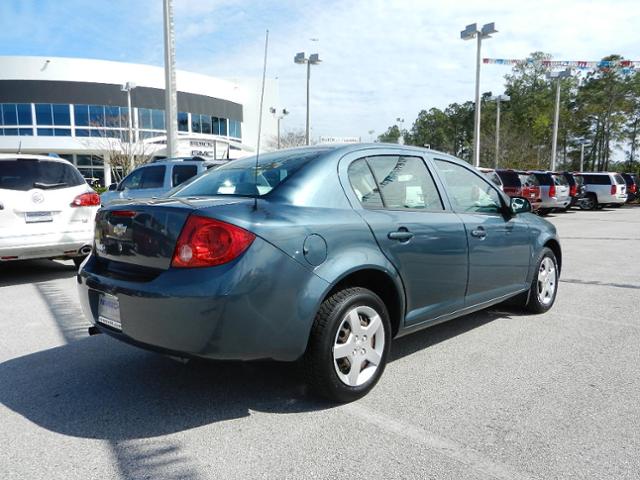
520,205
112,187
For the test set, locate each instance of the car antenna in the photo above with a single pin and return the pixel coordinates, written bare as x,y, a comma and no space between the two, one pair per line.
264,74
19,147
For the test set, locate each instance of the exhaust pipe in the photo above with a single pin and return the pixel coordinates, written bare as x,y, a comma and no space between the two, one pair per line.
86,250
93,330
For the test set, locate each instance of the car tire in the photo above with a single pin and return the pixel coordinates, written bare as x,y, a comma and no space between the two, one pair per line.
543,212
337,344
544,286
616,205
589,202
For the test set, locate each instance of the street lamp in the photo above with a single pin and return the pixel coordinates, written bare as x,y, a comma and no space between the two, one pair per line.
313,59
558,76
400,137
470,32
279,116
583,143
127,87
499,99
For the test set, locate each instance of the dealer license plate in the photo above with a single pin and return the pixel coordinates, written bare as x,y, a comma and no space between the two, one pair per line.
109,311
37,217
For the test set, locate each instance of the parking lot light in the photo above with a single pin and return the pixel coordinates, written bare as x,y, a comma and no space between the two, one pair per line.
127,87
313,59
557,76
471,32
499,99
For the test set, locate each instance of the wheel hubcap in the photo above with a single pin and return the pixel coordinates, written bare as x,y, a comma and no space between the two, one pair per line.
358,346
547,279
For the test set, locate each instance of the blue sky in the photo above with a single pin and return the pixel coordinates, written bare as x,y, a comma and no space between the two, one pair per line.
381,59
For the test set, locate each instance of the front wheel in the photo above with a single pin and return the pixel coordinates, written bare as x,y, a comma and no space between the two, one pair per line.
348,346
544,287
589,202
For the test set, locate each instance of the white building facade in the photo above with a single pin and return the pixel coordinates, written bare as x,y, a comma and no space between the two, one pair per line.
77,109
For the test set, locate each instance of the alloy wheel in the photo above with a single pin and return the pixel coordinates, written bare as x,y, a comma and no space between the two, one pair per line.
547,280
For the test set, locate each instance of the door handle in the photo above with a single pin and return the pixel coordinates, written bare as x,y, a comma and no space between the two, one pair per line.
401,235
479,232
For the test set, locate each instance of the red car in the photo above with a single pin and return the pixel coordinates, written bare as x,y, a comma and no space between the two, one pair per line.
520,184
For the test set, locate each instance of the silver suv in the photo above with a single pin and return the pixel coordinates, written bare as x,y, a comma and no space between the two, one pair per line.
603,188
553,195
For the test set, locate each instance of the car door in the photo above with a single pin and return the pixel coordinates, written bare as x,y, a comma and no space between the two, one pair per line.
147,181
425,241
499,245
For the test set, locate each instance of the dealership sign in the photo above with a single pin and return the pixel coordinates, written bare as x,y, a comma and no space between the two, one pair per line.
339,140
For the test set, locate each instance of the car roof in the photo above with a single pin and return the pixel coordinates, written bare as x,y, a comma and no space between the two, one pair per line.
20,156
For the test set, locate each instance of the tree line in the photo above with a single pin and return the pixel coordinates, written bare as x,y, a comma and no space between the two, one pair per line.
600,108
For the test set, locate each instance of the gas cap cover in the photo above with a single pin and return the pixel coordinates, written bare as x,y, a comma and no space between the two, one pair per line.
315,249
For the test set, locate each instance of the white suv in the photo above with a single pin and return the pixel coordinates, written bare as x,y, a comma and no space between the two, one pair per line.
47,210
603,188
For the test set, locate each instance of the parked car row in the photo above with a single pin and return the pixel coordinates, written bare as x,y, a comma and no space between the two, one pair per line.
558,191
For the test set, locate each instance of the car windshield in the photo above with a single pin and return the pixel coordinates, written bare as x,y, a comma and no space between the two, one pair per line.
24,174
241,179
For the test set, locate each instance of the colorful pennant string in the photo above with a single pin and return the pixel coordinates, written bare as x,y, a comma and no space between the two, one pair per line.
626,66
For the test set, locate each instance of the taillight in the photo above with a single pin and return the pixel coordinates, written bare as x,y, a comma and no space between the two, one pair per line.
90,199
205,242
633,188
614,189
552,191
573,190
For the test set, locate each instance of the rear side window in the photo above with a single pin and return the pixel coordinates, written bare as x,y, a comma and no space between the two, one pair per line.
182,173
528,180
597,179
405,183
509,178
560,180
145,177
364,185
619,179
25,174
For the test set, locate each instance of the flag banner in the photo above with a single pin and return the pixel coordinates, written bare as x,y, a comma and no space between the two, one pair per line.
627,66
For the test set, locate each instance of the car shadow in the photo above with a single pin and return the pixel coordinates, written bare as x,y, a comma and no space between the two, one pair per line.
32,271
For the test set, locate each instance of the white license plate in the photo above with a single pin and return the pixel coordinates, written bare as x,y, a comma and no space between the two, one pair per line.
37,217
109,311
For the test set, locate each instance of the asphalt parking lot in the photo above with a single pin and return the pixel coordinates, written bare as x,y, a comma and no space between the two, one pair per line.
497,394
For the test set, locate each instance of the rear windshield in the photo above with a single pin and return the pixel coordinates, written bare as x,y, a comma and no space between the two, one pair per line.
619,179
561,180
25,174
544,178
529,180
239,177
509,178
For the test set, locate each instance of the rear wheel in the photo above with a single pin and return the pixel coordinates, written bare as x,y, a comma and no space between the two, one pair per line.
590,202
544,287
348,346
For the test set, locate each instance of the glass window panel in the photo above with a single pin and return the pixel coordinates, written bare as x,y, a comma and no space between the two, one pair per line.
215,125
364,185
97,133
25,132
9,114
24,114
112,116
183,121
11,131
82,132
45,132
205,122
195,123
144,118
182,173
61,114
467,191
405,182
43,114
1,130
96,115
62,132
153,177
223,126
157,119
81,114
124,117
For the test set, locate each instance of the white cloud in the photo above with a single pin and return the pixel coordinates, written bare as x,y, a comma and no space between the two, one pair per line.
384,59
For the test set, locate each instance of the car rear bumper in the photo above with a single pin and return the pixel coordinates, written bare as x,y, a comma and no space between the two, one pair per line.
260,306
49,245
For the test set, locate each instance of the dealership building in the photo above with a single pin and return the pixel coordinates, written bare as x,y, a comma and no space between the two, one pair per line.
78,109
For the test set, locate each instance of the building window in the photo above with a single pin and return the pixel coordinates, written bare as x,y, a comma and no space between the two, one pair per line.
9,114
157,119
45,132
205,122
112,116
43,114
61,114
24,114
81,114
96,115
223,126
195,123
183,121
144,118
235,130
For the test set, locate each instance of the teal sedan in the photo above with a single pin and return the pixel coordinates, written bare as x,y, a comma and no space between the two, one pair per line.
321,255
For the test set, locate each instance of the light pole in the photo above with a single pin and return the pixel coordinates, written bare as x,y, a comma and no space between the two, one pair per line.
583,143
170,96
470,32
279,116
558,76
127,87
499,99
313,59
400,137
